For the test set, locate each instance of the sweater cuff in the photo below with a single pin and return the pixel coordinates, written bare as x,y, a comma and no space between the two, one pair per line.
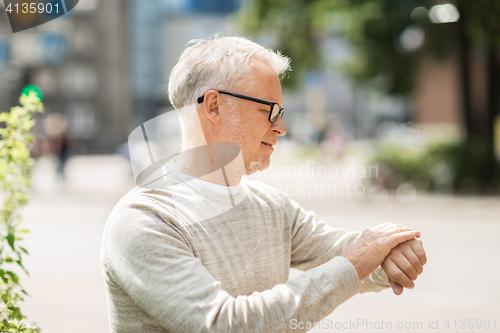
383,279
343,275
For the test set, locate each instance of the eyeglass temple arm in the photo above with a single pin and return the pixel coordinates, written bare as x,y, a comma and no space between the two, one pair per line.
201,98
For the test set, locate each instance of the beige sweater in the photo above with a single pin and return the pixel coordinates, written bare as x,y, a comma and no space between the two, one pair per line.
178,257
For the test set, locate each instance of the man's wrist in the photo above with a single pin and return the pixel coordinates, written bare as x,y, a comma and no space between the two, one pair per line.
354,264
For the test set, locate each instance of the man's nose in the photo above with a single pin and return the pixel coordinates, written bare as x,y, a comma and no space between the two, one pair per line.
279,126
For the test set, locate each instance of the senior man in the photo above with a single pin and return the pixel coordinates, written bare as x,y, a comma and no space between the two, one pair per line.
199,248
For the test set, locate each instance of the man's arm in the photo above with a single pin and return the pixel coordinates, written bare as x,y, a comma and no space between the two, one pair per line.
152,263
314,242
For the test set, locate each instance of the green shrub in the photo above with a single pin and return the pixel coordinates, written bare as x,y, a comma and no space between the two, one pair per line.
466,166
15,180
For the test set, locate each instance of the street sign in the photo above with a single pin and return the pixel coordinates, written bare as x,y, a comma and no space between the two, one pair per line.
52,47
4,51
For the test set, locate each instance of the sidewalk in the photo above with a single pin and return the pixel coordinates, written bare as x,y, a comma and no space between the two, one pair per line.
66,224
460,235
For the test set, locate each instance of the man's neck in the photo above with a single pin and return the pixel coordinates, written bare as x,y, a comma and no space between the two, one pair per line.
220,164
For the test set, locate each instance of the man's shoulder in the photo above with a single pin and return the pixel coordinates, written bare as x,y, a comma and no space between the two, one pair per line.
265,191
140,197
139,206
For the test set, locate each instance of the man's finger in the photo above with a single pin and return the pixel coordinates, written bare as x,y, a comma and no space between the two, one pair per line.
404,264
418,249
412,258
401,237
396,288
396,275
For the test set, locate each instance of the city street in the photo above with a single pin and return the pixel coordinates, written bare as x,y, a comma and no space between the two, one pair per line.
459,285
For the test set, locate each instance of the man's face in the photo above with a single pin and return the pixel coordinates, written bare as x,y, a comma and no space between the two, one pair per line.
247,123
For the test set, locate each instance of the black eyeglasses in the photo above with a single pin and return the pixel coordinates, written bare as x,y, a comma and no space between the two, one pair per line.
274,111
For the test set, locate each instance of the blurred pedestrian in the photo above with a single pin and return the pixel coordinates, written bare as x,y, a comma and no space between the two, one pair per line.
59,141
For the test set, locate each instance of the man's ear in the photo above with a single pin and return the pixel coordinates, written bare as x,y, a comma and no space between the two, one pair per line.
211,105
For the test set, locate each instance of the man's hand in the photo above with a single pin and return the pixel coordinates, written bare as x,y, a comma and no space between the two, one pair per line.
404,263
374,245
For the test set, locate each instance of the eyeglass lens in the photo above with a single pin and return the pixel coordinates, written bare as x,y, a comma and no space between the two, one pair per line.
275,112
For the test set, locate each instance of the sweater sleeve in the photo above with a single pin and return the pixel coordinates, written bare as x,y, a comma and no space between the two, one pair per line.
151,261
314,242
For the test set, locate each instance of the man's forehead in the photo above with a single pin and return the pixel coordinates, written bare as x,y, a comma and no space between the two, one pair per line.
261,66
267,82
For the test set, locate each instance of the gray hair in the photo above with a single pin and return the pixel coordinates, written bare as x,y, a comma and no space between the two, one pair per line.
221,63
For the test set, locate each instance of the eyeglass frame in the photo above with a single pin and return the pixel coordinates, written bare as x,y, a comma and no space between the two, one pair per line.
248,98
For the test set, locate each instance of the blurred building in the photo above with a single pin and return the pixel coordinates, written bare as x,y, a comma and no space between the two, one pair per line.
442,97
158,32
79,61
105,67
105,64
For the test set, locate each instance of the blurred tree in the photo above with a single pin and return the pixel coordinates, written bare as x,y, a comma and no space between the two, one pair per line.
388,38
375,28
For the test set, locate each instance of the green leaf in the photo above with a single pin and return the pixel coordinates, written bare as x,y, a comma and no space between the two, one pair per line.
13,276
10,239
3,277
20,264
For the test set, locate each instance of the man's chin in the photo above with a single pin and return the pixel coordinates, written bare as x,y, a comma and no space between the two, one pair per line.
255,166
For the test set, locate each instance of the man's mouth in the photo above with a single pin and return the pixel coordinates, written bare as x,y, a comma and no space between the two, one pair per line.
267,144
